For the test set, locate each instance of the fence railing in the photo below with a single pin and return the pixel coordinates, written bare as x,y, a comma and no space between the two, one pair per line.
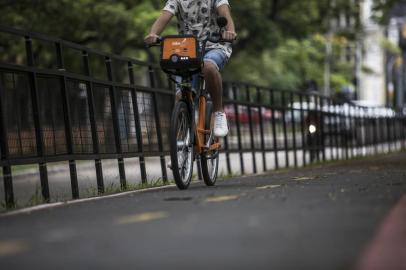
60,101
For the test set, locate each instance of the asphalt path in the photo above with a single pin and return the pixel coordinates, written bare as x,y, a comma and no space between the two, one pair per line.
321,217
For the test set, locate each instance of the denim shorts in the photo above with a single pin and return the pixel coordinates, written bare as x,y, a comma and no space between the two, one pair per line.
215,56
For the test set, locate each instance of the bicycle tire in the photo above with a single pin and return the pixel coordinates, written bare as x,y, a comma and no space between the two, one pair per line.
182,173
209,161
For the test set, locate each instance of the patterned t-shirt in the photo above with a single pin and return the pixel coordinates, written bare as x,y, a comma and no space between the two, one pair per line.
198,18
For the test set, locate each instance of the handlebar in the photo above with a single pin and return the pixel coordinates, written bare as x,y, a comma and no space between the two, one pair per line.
157,43
218,39
214,38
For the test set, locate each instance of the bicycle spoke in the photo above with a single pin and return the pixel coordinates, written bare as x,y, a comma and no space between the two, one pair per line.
183,144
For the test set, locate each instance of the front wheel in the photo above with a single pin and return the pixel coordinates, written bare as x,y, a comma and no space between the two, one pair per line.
210,160
181,144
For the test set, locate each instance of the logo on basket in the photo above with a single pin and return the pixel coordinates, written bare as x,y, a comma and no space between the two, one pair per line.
179,43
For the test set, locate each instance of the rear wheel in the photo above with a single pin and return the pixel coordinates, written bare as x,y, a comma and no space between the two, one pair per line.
210,159
181,142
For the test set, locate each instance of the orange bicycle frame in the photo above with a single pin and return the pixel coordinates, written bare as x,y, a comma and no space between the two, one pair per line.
201,130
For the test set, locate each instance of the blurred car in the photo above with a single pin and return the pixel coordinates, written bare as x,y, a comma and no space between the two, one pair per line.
243,114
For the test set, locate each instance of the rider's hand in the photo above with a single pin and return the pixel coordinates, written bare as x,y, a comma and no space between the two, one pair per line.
229,35
151,39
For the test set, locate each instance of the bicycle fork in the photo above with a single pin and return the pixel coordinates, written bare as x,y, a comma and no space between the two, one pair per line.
201,131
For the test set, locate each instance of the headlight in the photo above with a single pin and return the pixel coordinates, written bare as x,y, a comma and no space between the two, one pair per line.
312,129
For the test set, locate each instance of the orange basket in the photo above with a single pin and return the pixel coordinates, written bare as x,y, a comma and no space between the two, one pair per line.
180,55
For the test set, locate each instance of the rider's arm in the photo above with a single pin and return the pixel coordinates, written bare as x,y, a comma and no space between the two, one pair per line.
224,11
158,26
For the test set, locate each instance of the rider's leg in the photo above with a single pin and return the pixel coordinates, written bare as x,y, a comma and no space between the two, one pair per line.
214,84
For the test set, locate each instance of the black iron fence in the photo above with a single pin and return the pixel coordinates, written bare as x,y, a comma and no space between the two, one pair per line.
60,101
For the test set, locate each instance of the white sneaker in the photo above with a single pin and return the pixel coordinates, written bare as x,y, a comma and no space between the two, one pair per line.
220,124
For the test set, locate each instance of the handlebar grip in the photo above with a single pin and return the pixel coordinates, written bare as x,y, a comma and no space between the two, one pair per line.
218,40
157,43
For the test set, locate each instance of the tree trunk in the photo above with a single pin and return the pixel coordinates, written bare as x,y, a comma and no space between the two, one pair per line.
274,10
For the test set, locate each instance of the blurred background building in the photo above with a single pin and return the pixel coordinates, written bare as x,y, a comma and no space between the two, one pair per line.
376,50
396,58
371,56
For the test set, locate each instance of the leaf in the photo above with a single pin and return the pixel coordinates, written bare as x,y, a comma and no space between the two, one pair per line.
304,178
221,199
268,187
142,217
12,247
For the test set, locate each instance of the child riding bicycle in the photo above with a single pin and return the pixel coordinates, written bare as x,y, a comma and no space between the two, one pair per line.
198,18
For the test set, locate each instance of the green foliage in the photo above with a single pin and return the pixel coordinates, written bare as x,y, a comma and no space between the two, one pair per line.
383,8
390,47
281,42
289,66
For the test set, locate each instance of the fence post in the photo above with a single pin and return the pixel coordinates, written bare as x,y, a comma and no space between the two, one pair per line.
375,132
137,124
293,119
318,137
357,130
399,137
158,124
68,124
361,131
353,127
403,125
323,128
92,118
285,132
275,142
382,133
330,128
226,142
37,121
346,118
7,176
388,130
227,152
370,132
337,134
367,132
238,129
261,128
302,129
254,161
396,134
116,127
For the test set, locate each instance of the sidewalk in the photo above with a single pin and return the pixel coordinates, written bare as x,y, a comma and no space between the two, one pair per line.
323,217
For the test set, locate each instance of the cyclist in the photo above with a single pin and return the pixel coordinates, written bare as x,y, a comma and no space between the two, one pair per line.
198,18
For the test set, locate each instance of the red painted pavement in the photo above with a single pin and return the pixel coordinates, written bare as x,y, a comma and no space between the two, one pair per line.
387,250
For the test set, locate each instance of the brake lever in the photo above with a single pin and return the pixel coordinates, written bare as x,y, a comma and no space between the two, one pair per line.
219,39
155,44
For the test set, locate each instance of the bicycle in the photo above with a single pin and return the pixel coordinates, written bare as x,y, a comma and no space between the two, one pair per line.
182,55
